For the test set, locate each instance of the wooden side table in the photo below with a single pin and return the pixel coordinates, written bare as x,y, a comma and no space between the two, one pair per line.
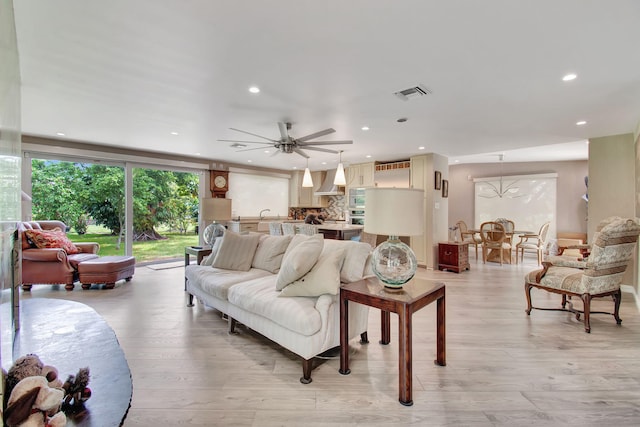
453,256
414,295
199,251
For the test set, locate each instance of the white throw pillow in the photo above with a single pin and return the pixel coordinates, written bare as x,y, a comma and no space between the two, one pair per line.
356,257
298,261
214,250
236,251
270,252
324,277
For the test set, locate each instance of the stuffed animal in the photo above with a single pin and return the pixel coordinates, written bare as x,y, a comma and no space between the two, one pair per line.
28,366
75,388
34,404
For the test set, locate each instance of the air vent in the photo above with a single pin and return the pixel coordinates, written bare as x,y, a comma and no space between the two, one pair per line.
413,92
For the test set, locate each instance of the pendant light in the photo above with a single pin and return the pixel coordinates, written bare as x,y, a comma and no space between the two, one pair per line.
340,179
306,179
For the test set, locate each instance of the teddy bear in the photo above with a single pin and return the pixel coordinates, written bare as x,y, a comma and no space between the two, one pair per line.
28,366
33,403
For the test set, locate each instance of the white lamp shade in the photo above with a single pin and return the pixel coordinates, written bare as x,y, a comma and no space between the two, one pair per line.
306,179
394,211
340,179
216,209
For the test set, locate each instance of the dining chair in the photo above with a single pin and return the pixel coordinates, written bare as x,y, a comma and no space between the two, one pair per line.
467,236
288,228
275,228
494,238
533,242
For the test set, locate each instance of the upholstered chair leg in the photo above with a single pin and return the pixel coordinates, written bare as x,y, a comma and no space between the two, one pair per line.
527,293
26,288
564,300
617,297
586,299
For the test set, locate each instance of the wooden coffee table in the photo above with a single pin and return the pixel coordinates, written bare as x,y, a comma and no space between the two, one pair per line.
414,295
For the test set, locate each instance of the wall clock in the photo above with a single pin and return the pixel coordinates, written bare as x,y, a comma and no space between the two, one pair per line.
219,183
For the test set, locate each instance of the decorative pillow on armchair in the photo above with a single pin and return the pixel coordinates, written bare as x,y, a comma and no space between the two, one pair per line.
55,238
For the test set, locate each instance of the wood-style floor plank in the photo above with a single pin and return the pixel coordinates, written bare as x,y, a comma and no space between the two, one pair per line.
504,368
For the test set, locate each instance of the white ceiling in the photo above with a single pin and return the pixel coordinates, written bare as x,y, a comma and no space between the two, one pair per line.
128,73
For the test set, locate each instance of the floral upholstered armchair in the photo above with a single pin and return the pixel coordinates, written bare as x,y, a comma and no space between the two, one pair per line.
600,275
49,257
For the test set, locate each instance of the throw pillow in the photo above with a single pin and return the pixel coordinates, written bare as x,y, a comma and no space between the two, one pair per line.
324,277
270,252
55,238
236,251
298,261
214,251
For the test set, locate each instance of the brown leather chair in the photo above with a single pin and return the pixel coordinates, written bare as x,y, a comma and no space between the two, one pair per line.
51,265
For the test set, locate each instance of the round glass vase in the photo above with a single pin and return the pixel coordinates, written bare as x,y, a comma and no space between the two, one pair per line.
393,262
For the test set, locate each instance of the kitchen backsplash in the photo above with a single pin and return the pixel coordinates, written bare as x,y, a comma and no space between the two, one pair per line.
336,208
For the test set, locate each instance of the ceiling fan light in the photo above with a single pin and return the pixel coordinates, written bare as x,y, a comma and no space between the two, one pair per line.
306,179
340,179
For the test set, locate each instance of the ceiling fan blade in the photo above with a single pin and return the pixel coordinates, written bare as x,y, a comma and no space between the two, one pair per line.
324,150
302,153
253,134
316,135
283,131
306,144
251,149
249,142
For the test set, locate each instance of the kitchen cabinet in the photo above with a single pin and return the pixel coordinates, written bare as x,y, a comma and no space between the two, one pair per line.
303,197
360,175
240,226
453,256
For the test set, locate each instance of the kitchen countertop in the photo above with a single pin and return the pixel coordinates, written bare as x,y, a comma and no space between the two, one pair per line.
339,226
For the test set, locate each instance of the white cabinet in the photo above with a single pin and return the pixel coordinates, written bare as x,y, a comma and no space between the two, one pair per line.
360,175
303,197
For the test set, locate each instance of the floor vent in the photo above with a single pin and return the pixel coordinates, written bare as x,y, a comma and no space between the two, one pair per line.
413,92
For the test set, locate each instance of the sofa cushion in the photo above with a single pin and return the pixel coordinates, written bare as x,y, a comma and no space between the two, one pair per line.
356,258
259,297
324,277
270,252
55,238
217,281
300,257
236,251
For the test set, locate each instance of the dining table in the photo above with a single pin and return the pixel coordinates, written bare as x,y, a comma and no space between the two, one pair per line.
494,255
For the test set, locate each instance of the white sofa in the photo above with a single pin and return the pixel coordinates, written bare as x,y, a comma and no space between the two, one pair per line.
284,287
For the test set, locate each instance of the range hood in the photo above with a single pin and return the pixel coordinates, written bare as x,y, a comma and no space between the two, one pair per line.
328,188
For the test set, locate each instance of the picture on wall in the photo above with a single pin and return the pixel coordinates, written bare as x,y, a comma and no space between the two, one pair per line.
445,188
438,180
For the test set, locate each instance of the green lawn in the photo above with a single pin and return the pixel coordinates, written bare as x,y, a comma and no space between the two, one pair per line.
158,250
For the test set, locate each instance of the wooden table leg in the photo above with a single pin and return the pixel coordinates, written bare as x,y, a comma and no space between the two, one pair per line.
441,351
344,337
385,327
404,357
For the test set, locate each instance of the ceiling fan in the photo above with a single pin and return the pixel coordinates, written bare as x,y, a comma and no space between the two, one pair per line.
288,144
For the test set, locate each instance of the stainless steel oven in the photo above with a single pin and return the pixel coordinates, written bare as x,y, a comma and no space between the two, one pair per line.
356,216
356,198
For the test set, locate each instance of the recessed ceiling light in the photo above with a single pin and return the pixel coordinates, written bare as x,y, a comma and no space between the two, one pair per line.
420,148
197,154
402,120
249,161
569,77
60,133
581,122
456,161
254,89
365,127
267,151
324,163
174,133
295,167
368,156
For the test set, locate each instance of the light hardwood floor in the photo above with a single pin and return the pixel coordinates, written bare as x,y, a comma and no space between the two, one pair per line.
503,367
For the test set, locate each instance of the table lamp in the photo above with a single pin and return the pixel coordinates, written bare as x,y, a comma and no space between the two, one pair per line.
394,212
214,210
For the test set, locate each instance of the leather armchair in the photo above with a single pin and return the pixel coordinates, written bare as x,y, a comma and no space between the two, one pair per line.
51,265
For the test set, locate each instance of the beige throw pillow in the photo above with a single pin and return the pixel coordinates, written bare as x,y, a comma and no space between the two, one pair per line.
270,252
298,261
324,277
236,251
